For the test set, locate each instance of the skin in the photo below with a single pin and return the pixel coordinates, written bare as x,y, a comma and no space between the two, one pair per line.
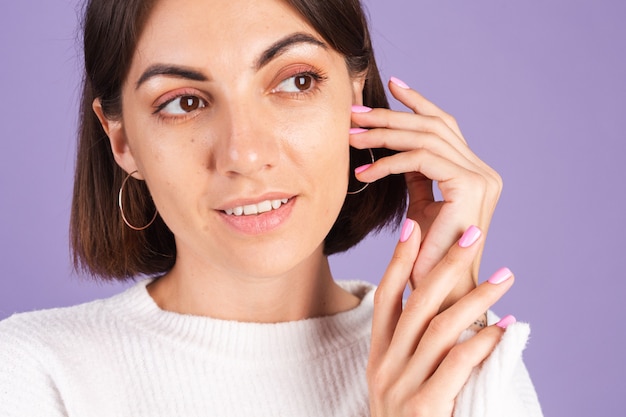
415,368
432,149
244,132
248,141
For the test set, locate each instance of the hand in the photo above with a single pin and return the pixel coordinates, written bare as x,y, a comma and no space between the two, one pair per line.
431,148
415,368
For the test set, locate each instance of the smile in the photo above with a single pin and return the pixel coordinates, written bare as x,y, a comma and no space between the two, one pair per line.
253,209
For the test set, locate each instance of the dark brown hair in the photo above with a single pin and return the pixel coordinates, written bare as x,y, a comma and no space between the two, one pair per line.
101,244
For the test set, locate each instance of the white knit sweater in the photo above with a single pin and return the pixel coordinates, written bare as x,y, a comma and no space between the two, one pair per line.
123,356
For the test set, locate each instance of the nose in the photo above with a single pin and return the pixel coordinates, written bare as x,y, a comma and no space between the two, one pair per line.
247,145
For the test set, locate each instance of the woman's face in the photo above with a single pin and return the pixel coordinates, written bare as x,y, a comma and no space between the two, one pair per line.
236,113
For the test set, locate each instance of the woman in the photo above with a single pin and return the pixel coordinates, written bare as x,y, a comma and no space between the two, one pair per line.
235,121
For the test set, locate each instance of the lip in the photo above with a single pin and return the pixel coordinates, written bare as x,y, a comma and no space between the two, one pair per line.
258,224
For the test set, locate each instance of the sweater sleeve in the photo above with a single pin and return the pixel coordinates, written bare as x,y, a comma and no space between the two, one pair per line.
26,388
501,386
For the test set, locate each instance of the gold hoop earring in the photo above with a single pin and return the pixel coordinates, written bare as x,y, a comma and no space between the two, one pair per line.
366,183
119,203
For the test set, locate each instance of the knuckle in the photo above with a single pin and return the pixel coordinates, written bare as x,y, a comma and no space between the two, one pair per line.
444,120
438,326
418,407
455,260
380,295
400,257
378,382
460,355
437,123
450,120
498,179
495,180
385,139
451,259
480,183
396,395
417,301
386,166
419,152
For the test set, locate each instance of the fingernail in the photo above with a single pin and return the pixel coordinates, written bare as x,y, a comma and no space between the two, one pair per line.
362,168
355,130
360,109
399,83
506,321
500,276
470,237
407,229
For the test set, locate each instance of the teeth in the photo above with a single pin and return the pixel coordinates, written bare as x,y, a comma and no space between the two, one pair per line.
252,209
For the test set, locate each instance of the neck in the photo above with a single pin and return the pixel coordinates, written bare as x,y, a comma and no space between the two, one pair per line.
307,291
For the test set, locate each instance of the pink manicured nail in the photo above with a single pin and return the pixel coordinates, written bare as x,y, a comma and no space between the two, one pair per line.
355,130
362,168
506,321
470,237
500,276
399,83
361,109
407,229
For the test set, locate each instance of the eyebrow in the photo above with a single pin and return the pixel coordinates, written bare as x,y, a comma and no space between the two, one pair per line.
281,46
171,71
275,50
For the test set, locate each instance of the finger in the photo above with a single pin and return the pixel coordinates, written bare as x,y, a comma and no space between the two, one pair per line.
464,192
423,303
397,120
455,215
454,180
420,105
407,140
388,296
458,365
444,330
441,234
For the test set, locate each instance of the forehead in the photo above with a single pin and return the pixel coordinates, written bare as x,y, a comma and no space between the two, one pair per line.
211,30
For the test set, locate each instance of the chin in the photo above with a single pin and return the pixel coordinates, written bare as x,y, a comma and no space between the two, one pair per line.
268,261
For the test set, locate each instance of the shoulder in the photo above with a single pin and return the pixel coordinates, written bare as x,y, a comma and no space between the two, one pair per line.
39,324
43,329
32,345
32,342
41,348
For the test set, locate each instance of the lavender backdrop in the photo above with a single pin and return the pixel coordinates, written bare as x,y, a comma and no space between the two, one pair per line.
539,89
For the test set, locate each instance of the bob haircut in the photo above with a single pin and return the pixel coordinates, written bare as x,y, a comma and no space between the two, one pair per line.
102,245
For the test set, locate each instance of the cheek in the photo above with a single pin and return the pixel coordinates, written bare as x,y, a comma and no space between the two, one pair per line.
166,158
334,143
321,130
161,149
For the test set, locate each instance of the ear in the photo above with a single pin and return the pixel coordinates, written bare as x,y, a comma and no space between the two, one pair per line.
358,83
114,128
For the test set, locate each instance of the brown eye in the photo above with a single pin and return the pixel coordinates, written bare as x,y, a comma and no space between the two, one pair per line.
189,103
303,82
300,83
182,105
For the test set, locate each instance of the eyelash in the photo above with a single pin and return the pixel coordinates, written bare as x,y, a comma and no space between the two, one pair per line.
317,76
176,96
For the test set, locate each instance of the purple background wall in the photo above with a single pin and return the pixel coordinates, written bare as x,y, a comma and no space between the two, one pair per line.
539,90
